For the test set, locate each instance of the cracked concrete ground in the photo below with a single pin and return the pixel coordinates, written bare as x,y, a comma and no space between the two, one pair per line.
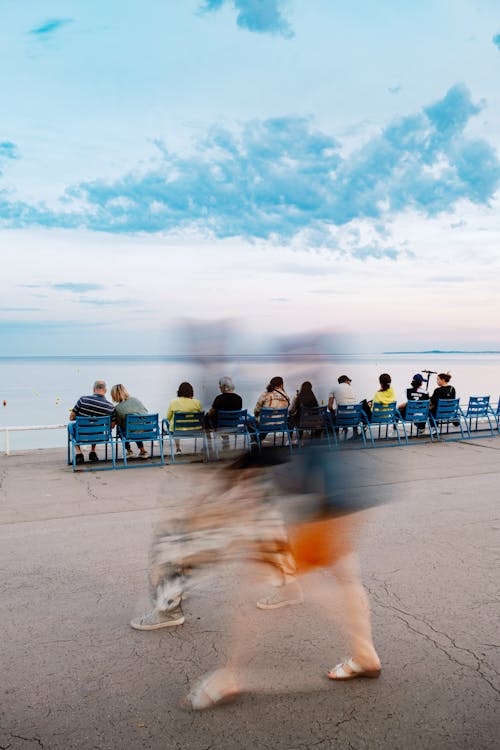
74,558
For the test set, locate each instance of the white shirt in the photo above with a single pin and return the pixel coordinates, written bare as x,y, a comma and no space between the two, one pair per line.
343,393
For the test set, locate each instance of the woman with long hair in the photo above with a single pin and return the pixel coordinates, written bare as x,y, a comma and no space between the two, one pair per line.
127,404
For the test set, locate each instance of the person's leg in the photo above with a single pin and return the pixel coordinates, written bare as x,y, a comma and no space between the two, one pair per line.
142,450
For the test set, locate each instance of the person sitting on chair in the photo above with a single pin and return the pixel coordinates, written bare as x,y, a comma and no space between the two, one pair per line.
127,404
95,405
227,400
185,401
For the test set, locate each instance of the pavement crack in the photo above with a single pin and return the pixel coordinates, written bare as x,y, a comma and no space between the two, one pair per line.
27,739
402,614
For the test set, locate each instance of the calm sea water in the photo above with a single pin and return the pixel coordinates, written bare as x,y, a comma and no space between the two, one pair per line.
42,391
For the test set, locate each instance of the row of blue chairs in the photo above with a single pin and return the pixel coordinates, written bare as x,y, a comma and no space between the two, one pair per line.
316,423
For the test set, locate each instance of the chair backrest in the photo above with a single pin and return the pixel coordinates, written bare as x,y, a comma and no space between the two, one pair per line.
447,409
141,427
188,422
312,418
479,406
232,420
349,415
90,430
273,420
384,413
417,411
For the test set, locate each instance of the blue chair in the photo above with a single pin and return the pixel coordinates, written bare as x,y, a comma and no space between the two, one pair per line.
417,414
479,408
232,424
91,431
186,424
496,414
351,416
386,415
143,428
317,422
448,412
273,422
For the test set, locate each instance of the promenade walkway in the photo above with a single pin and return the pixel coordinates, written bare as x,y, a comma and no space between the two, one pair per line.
74,675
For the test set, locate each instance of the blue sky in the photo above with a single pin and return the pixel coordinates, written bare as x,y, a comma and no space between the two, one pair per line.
292,164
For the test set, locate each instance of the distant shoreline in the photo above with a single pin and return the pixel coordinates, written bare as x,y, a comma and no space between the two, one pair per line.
231,357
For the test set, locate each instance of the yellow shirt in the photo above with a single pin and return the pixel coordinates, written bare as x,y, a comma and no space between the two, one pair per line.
181,403
385,397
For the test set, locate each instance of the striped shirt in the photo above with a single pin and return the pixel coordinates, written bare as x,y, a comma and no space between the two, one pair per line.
94,406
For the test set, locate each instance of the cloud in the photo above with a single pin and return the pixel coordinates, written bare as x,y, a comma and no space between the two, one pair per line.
106,302
70,286
8,150
496,40
49,27
19,309
283,180
261,16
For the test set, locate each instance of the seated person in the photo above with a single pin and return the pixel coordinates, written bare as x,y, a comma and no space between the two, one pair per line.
342,394
414,393
274,397
227,400
127,404
95,405
185,401
444,389
304,400
385,394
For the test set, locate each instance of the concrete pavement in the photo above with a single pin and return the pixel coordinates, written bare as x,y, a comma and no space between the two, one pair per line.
74,559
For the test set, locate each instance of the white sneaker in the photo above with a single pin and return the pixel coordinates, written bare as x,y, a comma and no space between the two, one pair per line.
130,454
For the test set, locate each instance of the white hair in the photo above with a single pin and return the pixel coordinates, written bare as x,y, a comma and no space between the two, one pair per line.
226,384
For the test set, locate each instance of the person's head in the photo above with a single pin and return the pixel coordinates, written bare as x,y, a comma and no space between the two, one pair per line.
443,378
185,390
226,385
100,386
274,383
119,393
417,380
385,381
344,379
306,388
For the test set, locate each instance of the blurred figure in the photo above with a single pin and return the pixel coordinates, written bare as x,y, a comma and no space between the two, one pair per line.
217,522
320,527
127,404
185,401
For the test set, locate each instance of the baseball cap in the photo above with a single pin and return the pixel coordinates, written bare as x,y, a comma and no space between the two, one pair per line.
418,378
344,379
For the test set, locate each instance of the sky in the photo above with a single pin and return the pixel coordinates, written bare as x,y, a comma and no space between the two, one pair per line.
290,165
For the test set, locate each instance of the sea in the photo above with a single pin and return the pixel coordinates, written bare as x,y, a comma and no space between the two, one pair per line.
38,391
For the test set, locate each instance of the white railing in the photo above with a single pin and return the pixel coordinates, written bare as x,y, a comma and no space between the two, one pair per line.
8,430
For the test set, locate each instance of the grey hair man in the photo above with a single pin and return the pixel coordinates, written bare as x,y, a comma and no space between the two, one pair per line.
95,405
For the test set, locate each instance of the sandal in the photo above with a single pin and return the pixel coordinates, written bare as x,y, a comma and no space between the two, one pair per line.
350,669
207,694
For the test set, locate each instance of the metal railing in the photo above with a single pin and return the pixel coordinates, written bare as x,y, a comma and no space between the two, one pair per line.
8,430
